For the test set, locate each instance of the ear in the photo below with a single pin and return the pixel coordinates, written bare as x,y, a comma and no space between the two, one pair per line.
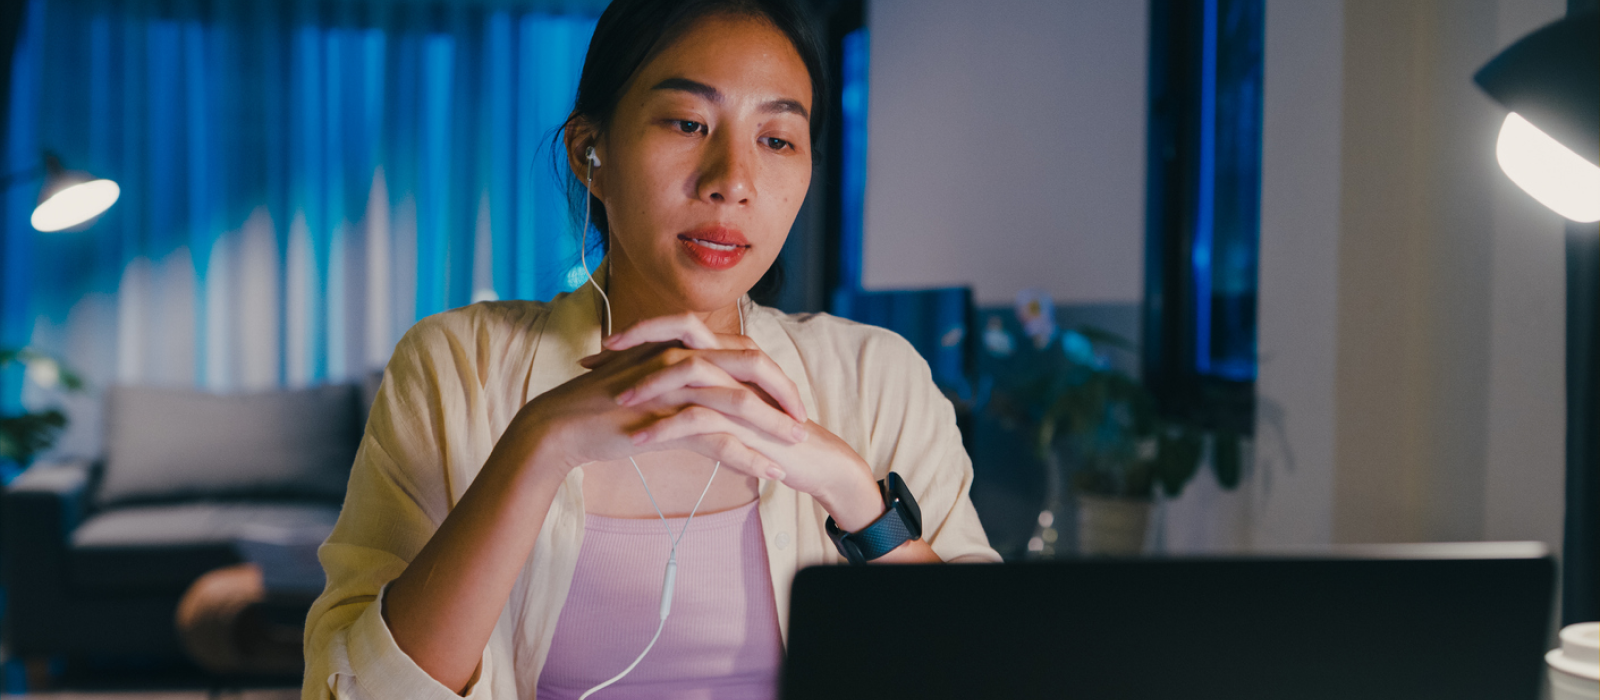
578,137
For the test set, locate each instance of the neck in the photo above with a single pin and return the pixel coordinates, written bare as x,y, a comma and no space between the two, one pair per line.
632,300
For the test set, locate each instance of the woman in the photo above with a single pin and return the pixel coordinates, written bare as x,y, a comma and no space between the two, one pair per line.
496,540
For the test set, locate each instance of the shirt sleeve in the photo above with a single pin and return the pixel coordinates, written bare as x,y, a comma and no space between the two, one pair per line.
911,429
397,497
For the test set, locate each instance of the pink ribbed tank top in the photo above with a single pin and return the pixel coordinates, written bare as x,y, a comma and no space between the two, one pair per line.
721,640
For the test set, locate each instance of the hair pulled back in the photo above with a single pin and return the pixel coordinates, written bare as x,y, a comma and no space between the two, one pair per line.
629,34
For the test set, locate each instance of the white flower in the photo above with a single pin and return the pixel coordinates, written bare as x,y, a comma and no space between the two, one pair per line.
996,339
1038,315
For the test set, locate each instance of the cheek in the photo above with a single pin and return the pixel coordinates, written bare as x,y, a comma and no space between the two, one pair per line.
647,192
789,194
791,189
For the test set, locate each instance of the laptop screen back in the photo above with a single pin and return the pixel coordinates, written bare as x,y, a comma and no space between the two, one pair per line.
1148,629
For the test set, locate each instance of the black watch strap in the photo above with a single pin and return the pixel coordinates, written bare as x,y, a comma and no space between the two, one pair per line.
900,523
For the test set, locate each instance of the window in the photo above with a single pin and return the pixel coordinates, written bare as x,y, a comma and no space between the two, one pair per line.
1203,208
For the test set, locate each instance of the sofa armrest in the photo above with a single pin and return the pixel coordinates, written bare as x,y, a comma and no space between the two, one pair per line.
41,508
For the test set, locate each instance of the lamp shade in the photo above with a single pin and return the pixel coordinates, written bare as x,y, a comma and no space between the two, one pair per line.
1552,78
1550,143
71,197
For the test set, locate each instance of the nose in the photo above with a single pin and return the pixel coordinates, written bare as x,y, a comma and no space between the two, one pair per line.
727,172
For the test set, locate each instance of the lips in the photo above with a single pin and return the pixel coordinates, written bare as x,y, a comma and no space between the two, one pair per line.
714,247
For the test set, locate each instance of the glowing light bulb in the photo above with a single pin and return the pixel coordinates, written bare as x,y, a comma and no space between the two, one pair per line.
75,205
1548,171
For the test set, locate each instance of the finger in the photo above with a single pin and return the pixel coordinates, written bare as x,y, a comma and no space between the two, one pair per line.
726,368
696,371
728,450
597,359
633,354
750,367
724,340
684,328
736,342
742,405
700,420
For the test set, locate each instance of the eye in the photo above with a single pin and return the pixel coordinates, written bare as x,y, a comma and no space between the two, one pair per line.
776,143
689,127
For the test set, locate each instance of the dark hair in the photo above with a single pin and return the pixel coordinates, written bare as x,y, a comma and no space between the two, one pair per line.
629,34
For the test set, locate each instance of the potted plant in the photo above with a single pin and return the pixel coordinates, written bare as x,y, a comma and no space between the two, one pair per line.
1094,427
26,434
1101,426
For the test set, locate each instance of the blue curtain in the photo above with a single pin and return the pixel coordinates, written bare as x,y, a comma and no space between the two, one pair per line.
301,181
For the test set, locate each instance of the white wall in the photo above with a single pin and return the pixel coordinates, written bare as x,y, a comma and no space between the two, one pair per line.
1527,380
1006,147
1451,413
1412,299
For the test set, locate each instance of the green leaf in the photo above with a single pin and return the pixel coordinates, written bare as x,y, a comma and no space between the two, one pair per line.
70,380
1046,436
1226,459
1102,336
23,436
1178,459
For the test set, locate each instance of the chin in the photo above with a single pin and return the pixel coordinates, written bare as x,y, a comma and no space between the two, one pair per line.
705,295
708,290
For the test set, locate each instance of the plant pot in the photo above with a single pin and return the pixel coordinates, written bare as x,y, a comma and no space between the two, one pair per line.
1108,525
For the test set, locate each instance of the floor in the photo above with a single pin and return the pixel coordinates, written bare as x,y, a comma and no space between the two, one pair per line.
101,684
272,694
276,694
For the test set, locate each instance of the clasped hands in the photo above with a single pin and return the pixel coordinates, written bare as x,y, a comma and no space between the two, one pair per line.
670,383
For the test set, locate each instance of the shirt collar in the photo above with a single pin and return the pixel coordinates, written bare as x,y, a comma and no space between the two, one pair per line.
571,334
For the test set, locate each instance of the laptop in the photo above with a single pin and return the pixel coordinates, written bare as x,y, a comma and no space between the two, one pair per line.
1450,621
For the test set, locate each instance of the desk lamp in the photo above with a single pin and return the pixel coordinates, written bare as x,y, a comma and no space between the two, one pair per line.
1550,141
1550,146
69,198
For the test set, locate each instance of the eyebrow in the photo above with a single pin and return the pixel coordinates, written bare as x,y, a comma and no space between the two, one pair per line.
711,94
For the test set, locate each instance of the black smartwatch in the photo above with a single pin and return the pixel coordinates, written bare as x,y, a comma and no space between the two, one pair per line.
900,523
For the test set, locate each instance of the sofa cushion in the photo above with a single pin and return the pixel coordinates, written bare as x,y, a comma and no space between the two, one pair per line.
164,548
166,444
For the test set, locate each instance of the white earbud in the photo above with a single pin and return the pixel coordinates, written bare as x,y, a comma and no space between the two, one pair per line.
594,160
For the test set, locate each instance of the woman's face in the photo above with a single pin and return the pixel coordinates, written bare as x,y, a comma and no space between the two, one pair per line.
706,163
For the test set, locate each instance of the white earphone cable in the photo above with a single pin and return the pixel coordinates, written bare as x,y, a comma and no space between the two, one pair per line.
583,238
670,576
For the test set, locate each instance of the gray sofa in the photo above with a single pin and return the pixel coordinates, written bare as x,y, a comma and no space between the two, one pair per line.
98,553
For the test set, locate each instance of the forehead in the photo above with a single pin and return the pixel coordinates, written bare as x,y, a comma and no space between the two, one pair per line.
740,56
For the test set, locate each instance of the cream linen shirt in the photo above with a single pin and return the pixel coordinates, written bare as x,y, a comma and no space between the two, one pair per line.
453,385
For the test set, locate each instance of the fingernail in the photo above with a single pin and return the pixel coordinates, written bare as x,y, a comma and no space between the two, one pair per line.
800,433
623,397
775,474
641,438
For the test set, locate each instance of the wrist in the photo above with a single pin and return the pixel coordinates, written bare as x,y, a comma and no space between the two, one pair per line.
854,503
532,453
547,456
